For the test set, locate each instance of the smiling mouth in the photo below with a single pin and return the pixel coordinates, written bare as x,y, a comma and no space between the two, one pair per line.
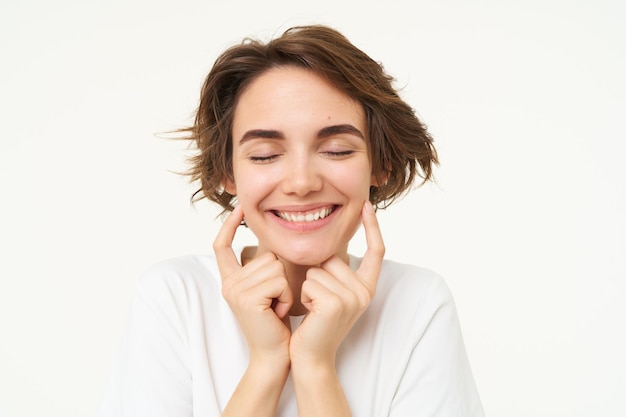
305,217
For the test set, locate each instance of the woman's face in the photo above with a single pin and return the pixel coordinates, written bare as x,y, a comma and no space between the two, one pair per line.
301,165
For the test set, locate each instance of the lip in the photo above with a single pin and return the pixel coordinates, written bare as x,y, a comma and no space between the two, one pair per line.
301,208
303,226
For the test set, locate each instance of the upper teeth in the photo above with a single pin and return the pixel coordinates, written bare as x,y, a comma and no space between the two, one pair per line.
305,217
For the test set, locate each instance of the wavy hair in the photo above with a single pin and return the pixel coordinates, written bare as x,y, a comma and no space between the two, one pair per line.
401,148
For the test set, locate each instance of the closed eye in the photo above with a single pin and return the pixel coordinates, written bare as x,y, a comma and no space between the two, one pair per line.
264,158
338,154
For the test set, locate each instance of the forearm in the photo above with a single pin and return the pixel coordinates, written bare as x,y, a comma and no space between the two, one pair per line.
319,391
258,392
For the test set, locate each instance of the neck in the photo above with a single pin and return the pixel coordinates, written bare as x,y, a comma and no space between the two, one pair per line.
296,274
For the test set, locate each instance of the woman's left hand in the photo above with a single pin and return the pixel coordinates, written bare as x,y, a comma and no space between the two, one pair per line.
336,297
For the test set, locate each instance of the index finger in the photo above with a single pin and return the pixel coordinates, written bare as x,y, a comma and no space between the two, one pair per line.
222,245
369,270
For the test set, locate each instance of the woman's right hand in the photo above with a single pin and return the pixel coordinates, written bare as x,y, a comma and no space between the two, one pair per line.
259,296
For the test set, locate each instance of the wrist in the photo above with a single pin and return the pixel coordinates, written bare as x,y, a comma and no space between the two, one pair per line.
315,380
259,389
313,368
269,365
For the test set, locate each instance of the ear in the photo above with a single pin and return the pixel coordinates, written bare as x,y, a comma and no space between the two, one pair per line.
229,186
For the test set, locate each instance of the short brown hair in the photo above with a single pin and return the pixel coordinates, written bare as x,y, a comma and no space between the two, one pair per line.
399,144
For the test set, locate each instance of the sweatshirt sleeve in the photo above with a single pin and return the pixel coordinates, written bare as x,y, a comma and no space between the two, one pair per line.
152,375
437,379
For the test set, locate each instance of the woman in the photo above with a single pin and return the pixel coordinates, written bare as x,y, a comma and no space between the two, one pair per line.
299,139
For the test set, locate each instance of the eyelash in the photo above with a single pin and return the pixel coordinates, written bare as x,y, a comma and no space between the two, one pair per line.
339,154
262,159
270,158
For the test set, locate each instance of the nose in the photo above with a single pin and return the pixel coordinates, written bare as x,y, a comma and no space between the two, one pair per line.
302,177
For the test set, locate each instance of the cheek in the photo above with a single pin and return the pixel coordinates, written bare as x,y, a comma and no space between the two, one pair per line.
252,186
357,186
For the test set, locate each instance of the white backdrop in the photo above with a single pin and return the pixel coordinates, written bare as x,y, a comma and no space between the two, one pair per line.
526,101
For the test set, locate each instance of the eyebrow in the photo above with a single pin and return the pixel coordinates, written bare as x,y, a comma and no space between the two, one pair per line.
339,129
321,134
261,134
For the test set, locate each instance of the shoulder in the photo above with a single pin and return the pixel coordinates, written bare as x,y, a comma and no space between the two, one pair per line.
183,266
179,277
409,297
393,271
407,281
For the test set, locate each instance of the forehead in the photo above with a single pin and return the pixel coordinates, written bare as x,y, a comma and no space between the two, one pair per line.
293,95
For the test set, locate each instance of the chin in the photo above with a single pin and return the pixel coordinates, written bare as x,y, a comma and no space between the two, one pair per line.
305,258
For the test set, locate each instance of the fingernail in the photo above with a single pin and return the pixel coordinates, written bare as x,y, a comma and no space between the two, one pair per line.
369,208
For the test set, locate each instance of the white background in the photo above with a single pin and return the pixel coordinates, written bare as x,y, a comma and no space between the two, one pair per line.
526,101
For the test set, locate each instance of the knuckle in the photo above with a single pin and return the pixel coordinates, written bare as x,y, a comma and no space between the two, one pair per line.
277,267
351,302
306,285
363,297
227,291
314,273
268,256
335,303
